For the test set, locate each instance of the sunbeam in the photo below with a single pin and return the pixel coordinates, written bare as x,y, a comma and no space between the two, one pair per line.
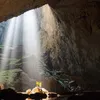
31,44
8,42
15,39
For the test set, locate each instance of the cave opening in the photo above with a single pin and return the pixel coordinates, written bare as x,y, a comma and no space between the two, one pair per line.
32,49
20,51
25,47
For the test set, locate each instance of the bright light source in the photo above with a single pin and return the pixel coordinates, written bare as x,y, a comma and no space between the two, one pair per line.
31,44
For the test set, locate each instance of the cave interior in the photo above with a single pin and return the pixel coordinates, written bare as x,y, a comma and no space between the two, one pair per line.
55,42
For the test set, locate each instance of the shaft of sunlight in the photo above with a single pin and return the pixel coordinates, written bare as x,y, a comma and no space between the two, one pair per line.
31,44
7,43
15,39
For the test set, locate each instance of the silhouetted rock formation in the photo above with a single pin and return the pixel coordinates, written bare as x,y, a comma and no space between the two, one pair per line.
38,96
10,94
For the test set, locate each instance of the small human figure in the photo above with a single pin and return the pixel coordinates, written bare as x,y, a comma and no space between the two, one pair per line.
39,88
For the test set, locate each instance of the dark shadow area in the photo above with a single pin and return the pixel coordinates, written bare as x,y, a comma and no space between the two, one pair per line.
85,96
10,94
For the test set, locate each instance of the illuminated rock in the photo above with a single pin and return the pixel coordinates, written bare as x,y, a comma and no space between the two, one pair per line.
28,91
39,90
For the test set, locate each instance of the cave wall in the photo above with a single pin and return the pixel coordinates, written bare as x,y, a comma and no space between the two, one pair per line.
70,40
82,25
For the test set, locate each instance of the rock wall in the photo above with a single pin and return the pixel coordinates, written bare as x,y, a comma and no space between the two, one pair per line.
70,40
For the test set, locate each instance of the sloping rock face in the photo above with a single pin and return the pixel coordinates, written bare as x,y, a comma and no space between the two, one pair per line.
81,19
70,40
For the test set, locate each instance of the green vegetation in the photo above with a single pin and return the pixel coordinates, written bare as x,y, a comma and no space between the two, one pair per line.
10,77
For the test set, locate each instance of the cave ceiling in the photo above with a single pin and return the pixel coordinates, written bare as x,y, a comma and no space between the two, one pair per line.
11,8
